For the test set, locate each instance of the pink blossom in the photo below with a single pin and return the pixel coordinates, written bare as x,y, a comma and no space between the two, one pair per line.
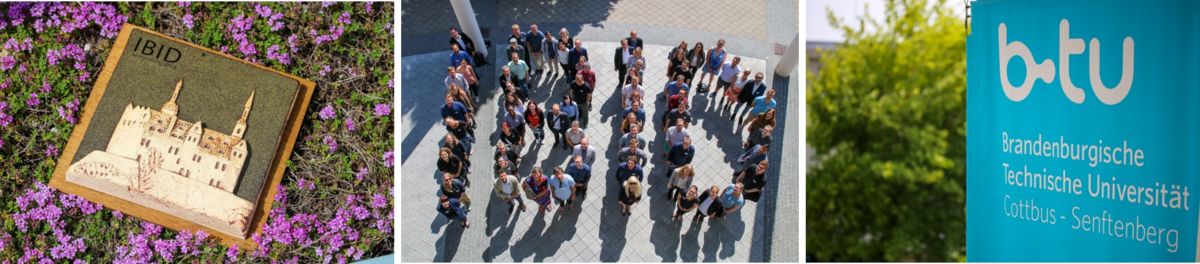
349,124
327,113
383,109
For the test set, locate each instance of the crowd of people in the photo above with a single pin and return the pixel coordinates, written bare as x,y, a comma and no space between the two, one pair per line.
532,54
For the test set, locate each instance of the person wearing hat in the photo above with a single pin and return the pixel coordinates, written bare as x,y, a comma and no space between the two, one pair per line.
521,40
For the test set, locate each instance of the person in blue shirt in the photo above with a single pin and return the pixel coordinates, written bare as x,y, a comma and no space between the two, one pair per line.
457,55
629,168
533,43
675,86
581,172
731,199
636,109
452,209
680,154
573,59
569,108
456,110
760,105
562,186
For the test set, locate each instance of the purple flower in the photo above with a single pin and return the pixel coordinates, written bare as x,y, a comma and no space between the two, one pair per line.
327,113
51,151
292,42
390,84
349,124
388,159
5,119
331,142
361,172
33,100
273,53
184,4
378,201
79,65
187,21
367,6
322,72
22,69
84,76
7,62
7,82
232,253
345,18
118,215
360,213
327,3
383,109
46,86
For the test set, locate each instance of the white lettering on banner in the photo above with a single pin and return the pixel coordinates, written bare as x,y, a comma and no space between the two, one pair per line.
1045,71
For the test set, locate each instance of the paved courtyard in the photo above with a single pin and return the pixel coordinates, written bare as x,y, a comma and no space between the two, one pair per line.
595,231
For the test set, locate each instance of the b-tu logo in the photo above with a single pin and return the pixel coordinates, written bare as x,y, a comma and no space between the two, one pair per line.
1045,71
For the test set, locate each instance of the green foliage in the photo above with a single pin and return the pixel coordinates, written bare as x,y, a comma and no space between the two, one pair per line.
887,117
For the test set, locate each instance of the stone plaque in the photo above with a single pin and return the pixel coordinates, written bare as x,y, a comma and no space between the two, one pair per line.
184,136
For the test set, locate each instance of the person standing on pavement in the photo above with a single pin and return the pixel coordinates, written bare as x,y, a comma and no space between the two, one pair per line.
633,134
533,119
681,154
635,108
675,135
762,136
675,58
695,62
468,72
520,38
587,152
537,187
728,72
685,202
465,134
627,92
573,57
509,136
680,112
710,204
634,40
515,120
461,97
715,58
561,55
533,43
449,164
674,87
456,110
457,56
454,78
631,193
452,210
734,90
589,76
570,108
563,188
507,188
574,135
621,60
581,91
629,168
457,148
751,91
760,105
582,173
520,69
681,179
752,157
731,199
558,123
761,120
455,189
754,180
505,152
505,167
634,152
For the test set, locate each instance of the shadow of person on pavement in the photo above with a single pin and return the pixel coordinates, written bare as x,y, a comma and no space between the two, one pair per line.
612,223
447,245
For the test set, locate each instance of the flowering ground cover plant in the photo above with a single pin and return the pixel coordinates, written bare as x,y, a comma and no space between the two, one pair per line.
334,204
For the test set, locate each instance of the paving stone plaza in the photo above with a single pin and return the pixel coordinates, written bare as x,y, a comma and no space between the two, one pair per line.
596,231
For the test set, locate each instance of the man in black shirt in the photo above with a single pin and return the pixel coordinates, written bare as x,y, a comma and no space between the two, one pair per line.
580,91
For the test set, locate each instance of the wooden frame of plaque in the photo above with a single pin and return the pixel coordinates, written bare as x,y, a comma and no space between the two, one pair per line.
260,198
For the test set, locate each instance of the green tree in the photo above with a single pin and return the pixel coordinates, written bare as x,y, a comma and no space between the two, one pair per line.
887,117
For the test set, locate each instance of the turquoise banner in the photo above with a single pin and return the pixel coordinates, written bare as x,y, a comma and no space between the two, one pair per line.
1083,131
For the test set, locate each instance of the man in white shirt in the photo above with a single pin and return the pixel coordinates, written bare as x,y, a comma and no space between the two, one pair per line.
627,92
454,78
675,135
621,59
728,71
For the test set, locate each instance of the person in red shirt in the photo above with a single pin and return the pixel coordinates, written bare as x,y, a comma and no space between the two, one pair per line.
533,119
